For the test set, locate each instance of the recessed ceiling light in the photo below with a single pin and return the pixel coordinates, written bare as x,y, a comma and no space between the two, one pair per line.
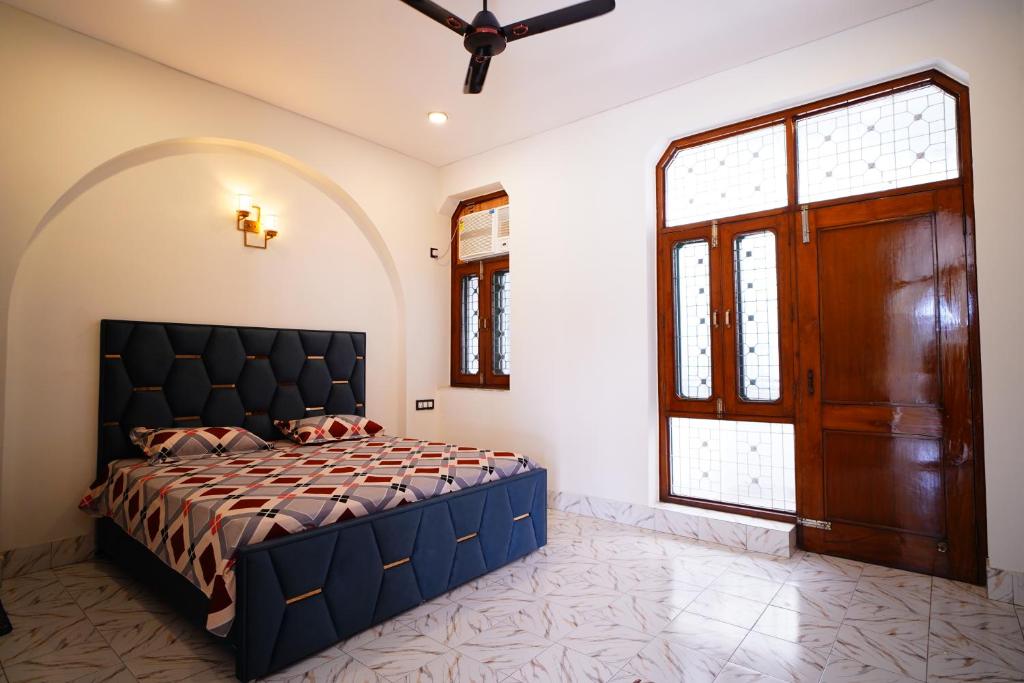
437,117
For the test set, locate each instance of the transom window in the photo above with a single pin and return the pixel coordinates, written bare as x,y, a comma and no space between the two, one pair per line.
730,213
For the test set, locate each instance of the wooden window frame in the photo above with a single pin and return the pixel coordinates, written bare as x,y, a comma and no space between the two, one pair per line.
485,269
790,215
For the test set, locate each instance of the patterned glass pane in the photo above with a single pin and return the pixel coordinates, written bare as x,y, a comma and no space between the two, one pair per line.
744,463
692,287
739,174
501,286
906,138
757,316
470,325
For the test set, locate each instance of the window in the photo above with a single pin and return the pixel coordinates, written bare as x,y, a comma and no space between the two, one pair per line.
898,140
481,294
730,205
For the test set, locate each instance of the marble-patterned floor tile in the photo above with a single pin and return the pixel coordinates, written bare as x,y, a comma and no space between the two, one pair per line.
617,577
888,619
910,592
548,619
780,658
452,667
892,653
667,592
85,659
305,669
694,571
612,643
397,653
814,566
965,667
771,541
955,599
72,550
373,633
536,580
25,595
505,647
559,663
808,630
715,638
746,586
48,630
808,598
27,560
668,660
583,596
734,673
723,532
423,609
452,625
995,639
677,523
637,613
765,566
496,601
728,608
842,670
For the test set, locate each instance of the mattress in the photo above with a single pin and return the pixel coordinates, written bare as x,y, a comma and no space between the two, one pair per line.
195,514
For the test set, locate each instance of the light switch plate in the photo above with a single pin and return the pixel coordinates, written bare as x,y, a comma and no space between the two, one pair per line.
424,404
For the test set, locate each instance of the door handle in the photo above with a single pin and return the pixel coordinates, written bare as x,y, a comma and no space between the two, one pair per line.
810,382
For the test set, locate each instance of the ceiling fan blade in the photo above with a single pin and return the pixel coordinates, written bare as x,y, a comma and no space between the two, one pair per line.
476,74
557,19
440,15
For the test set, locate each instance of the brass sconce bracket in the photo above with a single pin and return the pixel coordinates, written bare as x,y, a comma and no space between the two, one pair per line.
247,226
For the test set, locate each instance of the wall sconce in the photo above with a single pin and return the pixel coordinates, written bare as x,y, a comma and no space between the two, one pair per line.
265,226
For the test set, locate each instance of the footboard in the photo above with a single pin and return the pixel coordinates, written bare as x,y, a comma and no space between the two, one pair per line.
298,595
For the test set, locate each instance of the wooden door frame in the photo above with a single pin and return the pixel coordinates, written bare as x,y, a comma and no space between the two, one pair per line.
788,117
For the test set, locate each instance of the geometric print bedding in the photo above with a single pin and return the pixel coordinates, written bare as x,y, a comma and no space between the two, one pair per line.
324,428
195,514
171,443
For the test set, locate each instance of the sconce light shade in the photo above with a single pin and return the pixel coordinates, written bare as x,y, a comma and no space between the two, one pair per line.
244,203
270,221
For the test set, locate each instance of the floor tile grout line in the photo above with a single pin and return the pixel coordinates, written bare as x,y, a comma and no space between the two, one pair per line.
928,638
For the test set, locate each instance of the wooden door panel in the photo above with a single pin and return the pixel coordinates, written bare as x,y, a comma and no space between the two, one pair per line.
886,433
879,324
912,420
889,482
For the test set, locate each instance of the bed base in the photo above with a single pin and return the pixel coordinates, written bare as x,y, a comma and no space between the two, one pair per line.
299,594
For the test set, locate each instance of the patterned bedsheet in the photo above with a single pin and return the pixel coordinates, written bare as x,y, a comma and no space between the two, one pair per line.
194,514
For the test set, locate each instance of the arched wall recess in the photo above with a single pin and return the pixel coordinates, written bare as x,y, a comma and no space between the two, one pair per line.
198,145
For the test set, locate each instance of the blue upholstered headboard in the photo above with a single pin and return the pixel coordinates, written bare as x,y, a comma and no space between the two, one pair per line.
183,375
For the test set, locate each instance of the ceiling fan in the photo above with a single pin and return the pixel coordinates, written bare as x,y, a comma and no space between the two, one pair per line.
485,37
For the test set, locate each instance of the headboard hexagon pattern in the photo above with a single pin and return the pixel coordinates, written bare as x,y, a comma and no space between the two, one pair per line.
185,375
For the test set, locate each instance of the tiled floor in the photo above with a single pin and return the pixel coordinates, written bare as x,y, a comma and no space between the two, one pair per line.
602,602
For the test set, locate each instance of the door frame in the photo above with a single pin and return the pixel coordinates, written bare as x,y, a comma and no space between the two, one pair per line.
964,181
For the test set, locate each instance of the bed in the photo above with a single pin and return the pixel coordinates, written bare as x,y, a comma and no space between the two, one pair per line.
288,551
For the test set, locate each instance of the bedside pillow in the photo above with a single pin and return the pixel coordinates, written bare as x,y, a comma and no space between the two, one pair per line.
172,443
324,428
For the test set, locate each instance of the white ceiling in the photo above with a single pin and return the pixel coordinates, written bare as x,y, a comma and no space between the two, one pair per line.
376,67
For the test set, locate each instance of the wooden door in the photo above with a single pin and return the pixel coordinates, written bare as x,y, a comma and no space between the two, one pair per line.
886,453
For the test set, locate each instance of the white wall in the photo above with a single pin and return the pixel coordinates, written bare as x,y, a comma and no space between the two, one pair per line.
155,240
583,393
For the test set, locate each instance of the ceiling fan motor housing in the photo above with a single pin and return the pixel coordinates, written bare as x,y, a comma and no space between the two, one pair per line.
485,38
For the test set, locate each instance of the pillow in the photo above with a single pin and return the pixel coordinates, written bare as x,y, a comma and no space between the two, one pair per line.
172,443
324,428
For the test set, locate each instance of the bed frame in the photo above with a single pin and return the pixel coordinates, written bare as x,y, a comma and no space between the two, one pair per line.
298,594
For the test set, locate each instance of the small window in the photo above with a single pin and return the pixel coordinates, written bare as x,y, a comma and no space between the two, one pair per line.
481,294
691,273
735,175
757,316
897,140
742,463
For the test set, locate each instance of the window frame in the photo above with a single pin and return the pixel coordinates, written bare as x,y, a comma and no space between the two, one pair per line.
789,218
485,269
